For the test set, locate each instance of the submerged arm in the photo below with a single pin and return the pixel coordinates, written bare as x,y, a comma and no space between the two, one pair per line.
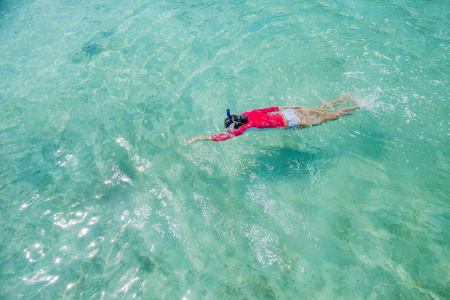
196,139
227,136
221,136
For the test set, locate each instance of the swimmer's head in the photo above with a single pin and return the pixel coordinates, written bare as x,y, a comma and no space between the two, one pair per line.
233,122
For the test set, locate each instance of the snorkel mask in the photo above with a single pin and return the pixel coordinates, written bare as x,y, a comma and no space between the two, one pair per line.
236,122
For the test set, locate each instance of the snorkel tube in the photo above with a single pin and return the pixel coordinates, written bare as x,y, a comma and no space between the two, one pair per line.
239,118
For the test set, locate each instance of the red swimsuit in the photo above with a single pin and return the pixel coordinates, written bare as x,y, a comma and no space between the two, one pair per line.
258,118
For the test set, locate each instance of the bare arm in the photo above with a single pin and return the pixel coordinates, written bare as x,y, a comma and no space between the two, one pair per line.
196,139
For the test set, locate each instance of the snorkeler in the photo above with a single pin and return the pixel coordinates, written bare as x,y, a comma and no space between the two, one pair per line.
289,117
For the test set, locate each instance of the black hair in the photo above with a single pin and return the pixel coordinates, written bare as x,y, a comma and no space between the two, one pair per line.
238,121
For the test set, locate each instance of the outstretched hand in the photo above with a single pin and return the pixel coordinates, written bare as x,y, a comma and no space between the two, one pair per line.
196,139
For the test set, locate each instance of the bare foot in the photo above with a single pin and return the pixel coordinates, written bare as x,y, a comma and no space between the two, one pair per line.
345,98
348,110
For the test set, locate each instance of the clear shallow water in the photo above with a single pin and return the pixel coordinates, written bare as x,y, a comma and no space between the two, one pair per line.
99,199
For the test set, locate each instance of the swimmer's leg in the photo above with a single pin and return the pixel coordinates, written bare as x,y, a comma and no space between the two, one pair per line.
314,117
336,115
342,100
331,117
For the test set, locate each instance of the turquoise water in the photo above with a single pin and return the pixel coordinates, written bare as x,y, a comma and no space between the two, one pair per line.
100,200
